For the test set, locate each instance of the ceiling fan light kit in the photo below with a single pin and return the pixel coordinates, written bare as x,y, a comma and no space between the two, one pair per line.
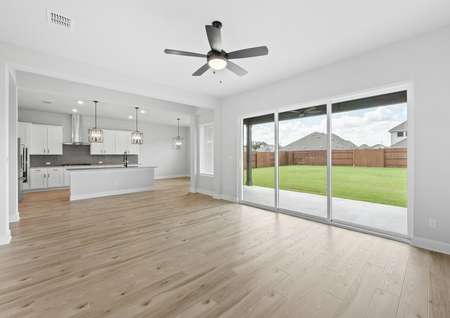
218,59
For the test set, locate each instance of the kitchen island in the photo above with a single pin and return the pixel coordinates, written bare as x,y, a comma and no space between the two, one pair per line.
99,182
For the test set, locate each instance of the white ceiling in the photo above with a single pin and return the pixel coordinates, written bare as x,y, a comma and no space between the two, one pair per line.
129,36
53,95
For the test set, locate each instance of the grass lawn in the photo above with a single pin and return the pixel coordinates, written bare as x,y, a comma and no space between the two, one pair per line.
378,185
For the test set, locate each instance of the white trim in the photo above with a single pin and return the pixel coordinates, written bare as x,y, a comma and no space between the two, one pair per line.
390,88
108,193
230,198
5,238
206,192
15,217
172,176
207,175
432,245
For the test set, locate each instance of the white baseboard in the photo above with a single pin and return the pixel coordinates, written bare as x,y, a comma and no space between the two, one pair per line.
5,238
172,176
230,198
214,195
107,193
205,191
432,245
15,217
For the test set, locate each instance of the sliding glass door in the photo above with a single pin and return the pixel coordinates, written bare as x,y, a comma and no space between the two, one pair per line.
303,143
259,160
369,175
343,162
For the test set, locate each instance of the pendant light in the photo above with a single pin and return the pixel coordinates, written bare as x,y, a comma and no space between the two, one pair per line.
137,137
178,141
95,135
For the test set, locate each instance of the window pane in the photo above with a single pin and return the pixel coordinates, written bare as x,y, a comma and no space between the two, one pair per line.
303,143
369,174
258,160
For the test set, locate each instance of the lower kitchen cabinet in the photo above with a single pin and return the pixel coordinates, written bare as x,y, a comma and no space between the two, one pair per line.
37,178
42,178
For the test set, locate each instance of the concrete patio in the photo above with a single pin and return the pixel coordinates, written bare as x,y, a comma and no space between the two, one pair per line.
378,216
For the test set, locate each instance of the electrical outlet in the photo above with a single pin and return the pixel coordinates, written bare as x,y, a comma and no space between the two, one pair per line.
432,223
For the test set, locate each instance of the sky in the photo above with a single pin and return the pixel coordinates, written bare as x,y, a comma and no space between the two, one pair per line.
367,126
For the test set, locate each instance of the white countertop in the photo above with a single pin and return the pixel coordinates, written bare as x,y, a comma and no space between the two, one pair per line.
96,168
86,166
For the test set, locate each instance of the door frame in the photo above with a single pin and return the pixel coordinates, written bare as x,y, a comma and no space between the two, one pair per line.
403,86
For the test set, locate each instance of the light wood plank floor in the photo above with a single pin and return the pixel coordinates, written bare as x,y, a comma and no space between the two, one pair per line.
168,253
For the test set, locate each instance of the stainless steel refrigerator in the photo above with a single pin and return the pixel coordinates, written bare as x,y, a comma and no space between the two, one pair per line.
23,167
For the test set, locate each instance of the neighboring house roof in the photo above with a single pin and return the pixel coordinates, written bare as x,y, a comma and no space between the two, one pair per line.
400,127
377,146
401,144
318,141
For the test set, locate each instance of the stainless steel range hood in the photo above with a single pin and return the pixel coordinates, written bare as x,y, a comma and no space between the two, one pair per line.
76,137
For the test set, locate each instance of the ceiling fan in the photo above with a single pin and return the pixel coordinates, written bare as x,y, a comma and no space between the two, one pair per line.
217,58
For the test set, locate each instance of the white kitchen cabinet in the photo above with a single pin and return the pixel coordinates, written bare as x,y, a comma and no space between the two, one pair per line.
24,133
46,140
66,178
38,178
115,142
108,146
55,140
38,140
42,178
55,177
109,142
123,143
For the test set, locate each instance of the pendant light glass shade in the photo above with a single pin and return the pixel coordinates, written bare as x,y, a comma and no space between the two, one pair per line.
178,140
95,135
137,137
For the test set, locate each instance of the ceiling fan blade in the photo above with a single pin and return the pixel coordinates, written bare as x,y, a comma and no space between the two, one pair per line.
201,70
214,37
178,52
250,52
236,69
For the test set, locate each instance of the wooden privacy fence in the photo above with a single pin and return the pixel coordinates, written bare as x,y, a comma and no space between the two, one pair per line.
388,157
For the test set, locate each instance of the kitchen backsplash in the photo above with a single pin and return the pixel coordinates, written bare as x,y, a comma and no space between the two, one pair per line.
79,154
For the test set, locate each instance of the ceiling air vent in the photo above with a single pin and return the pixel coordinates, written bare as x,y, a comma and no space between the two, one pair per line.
59,19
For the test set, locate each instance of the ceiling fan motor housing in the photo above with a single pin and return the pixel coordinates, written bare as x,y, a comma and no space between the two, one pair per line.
217,24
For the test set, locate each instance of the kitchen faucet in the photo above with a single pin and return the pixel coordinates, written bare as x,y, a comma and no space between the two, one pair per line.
125,159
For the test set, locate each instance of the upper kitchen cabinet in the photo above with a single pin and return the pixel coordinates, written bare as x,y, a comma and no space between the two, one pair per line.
24,133
46,140
114,142
123,143
108,146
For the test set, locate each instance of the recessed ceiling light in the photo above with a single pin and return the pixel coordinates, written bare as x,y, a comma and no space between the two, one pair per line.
130,117
74,110
80,102
47,101
143,111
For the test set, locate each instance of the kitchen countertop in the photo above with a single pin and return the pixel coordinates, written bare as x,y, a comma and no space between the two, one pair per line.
85,166
110,168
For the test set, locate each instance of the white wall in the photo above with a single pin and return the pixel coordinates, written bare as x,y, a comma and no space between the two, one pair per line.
157,150
423,61
13,149
5,235
201,183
